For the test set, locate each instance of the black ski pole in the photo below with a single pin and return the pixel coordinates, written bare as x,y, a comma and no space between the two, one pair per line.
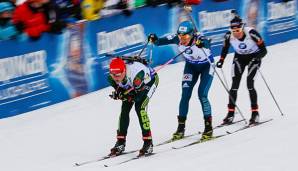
139,55
224,77
270,91
227,90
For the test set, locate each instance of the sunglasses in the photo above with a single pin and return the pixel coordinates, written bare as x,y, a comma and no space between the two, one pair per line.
183,35
236,30
116,74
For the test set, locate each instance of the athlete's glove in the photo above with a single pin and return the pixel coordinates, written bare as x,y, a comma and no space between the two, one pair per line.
115,95
220,63
199,43
202,41
152,38
120,95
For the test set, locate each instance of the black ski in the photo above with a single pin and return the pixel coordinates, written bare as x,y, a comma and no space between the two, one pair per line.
162,143
216,127
200,141
249,126
171,140
103,158
129,160
222,135
222,125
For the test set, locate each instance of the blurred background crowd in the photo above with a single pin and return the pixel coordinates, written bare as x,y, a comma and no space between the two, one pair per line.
30,18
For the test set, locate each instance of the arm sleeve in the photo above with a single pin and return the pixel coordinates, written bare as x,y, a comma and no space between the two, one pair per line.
138,81
226,45
170,39
112,82
260,43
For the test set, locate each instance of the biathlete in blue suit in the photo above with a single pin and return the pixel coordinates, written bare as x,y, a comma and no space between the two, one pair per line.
197,54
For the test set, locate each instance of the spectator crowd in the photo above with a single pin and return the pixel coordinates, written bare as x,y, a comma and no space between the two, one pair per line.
31,18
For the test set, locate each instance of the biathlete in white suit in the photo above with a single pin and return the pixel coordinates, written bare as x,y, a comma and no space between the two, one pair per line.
249,50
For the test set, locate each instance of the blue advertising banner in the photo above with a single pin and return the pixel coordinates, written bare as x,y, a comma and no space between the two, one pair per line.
213,20
39,73
253,13
281,21
35,74
24,80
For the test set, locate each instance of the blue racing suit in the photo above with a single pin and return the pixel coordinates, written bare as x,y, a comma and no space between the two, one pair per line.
198,59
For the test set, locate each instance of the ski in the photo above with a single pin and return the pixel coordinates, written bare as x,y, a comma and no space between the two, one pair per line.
162,143
171,140
222,135
200,141
216,127
249,126
222,125
103,158
129,160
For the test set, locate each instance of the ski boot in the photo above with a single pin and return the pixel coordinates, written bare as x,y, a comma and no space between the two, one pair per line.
147,148
255,118
179,134
208,131
230,116
118,148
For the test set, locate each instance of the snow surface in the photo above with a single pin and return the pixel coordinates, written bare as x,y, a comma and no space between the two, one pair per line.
54,138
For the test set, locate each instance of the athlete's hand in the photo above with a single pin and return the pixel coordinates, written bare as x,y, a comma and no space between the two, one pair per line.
152,38
115,95
199,43
220,63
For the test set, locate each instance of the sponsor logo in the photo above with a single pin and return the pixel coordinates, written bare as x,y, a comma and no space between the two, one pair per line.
110,41
213,20
281,10
23,89
185,85
188,51
242,46
23,65
182,29
187,77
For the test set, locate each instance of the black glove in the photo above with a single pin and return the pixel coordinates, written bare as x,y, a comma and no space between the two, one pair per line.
199,43
120,95
115,95
135,59
255,61
152,38
220,63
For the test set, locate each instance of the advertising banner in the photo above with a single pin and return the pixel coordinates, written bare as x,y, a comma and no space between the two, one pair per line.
281,21
55,68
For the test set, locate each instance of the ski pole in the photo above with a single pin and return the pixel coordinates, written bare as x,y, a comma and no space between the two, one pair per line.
224,77
171,60
225,87
188,9
139,55
161,66
270,91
